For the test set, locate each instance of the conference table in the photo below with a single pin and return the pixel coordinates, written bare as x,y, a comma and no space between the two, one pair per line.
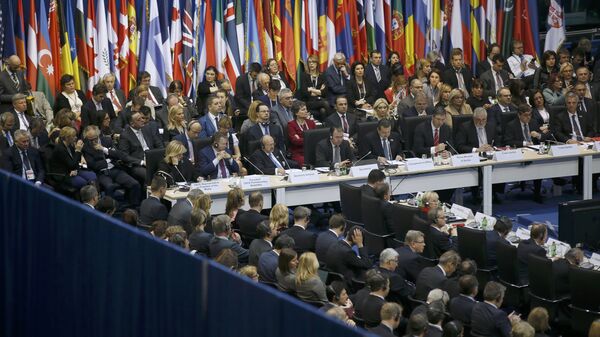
325,188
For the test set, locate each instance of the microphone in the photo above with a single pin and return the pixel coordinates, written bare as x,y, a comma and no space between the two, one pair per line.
361,158
285,159
160,172
555,141
451,147
181,174
255,167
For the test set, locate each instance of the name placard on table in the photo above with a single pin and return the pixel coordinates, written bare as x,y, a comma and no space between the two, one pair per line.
362,170
418,164
508,155
300,176
213,186
461,211
465,159
255,181
564,150
596,146
491,221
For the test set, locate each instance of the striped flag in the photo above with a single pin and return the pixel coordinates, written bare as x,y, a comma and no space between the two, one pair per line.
267,12
409,32
232,61
362,28
91,41
360,44
32,51
103,54
387,18
46,80
187,36
421,9
380,28
154,63
8,30
288,47
220,38
311,20
556,26
343,35
69,62
370,24
20,32
113,40
490,22
123,47
54,31
239,29
477,32
207,40
133,36
253,42
81,43
436,13
177,42
465,17
398,38
507,27
523,27
456,35
276,19
323,37
165,49
332,47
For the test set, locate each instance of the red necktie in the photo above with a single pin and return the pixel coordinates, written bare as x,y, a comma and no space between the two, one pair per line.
436,138
115,101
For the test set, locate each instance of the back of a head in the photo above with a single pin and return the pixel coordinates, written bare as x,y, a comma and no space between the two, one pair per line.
522,329
228,258
263,229
493,291
130,216
391,311
381,190
503,225
435,312
378,282
87,193
284,241
255,199
538,319
158,182
198,217
417,324
453,329
467,267
106,205
221,224
468,284
301,213
538,230
450,258
438,295
337,221
375,176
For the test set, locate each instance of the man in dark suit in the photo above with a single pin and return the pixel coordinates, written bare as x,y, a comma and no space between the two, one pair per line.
416,88
180,212
7,122
400,290
216,161
304,239
502,227
199,239
244,86
370,309
434,277
441,239
269,159
115,95
267,262
334,151
377,74
155,94
586,106
476,135
485,65
134,141
382,193
225,238
249,220
262,243
504,106
391,315
282,113
263,80
326,239
570,126
23,160
409,258
39,134
384,144
341,119
12,81
92,111
458,76
462,305
496,77
436,311
487,319
19,111
425,140
375,178
265,127
342,259
421,106
190,140
336,76
534,245
152,208
573,258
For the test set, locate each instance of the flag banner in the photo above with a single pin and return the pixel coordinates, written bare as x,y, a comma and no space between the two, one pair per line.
176,42
556,26
46,80
154,63
32,52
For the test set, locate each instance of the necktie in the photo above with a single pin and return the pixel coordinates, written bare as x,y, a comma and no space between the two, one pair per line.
26,163
336,154
526,133
190,148
24,124
499,83
588,93
253,87
152,98
15,80
9,138
275,161
35,143
140,137
505,109
436,137
576,128
341,78
345,123
115,101
386,150
377,74
582,106
265,128
223,168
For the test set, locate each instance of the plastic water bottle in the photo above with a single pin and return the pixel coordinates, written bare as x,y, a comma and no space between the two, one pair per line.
484,224
553,249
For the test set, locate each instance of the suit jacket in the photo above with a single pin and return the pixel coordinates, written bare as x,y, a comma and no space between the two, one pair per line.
561,269
513,134
353,93
281,116
303,94
12,162
180,215
441,242
243,93
494,114
151,210
335,120
430,278
399,288
382,330
424,137
255,132
409,263
248,221
466,137
449,77
489,82
17,124
412,111
324,240
4,140
92,116
461,308
589,109
217,244
491,240
200,242
524,249
373,143
8,88
265,164
183,172
487,320
335,86
208,128
257,247
342,259
384,83
267,265
130,144
433,331
562,126
183,138
202,94
61,162
296,139
62,102
206,166
304,240
324,153
370,310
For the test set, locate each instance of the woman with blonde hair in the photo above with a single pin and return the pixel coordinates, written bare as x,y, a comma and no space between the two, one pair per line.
279,217
177,122
251,121
234,203
176,167
443,98
309,286
457,105
423,69
538,319
65,158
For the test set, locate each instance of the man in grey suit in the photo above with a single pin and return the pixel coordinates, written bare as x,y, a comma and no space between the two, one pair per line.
263,243
496,77
115,95
12,81
281,111
226,238
182,210
416,86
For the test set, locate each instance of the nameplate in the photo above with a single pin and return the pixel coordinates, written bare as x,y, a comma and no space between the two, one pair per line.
522,233
213,186
362,170
255,182
564,150
508,155
299,176
491,221
418,164
595,259
466,159
461,211
596,146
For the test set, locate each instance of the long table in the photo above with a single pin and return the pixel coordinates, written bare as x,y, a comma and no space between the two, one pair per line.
326,189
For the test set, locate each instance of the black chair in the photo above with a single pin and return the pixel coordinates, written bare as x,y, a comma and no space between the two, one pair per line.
458,121
201,143
350,198
508,274
507,117
153,157
359,321
585,298
254,145
362,130
311,139
316,304
542,285
375,233
408,128
472,245
403,216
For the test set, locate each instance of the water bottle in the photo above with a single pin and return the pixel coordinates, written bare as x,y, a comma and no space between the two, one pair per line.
484,223
553,249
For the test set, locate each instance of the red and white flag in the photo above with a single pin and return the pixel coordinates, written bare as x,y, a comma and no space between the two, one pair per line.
176,42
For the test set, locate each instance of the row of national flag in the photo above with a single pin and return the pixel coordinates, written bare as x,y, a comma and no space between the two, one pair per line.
178,39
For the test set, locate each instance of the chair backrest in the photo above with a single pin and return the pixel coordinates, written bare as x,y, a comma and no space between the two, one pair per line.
363,129
201,143
507,117
423,226
585,293
350,198
403,217
554,110
254,145
409,124
373,220
153,158
506,255
311,139
541,283
472,245
458,121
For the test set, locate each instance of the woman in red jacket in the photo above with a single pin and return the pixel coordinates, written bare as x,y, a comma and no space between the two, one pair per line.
296,128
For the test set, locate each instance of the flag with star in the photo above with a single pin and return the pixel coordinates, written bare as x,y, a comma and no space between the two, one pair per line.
46,80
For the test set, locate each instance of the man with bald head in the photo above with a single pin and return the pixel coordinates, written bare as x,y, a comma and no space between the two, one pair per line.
269,159
336,76
12,81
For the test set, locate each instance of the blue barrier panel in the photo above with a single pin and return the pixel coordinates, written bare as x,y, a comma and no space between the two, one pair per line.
66,271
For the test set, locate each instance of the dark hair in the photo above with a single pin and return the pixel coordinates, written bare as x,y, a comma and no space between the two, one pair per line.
416,324
493,291
532,94
66,78
334,290
384,123
453,329
381,190
337,221
263,229
106,205
159,228
467,267
375,176
476,83
176,85
391,54
143,74
228,258
378,282
296,106
546,55
498,58
356,64
284,241
552,77
285,257
99,88
213,68
158,182
435,311
254,67
130,216
538,230
275,85
503,225
467,284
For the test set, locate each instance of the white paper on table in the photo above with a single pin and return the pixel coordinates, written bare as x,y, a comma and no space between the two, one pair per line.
522,234
595,259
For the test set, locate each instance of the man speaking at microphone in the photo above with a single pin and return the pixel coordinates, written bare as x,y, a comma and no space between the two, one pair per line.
335,151
216,161
269,159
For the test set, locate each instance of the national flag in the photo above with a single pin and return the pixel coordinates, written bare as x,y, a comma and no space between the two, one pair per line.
311,20
300,52
83,49
8,40
123,36
154,63
421,27
32,50
207,40
343,35
143,36
409,47
387,19
113,40
267,12
239,29
323,36
20,33
91,41
360,44
69,62
522,27
176,42
54,31
253,42
380,28
456,34
220,38
477,32
556,26
369,9
332,47
490,22
187,38
1,33
103,54
277,33
507,27
362,29
133,36
163,19
398,38
46,80
436,13
194,7
534,27
465,16
232,62
288,47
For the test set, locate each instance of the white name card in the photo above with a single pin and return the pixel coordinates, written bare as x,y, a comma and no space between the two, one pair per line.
595,259
418,164
508,155
299,176
564,150
491,221
213,186
459,160
362,170
461,211
255,182
596,146
522,233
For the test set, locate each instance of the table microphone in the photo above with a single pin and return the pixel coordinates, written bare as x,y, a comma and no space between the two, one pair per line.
285,159
256,167
555,141
181,174
451,147
361,158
